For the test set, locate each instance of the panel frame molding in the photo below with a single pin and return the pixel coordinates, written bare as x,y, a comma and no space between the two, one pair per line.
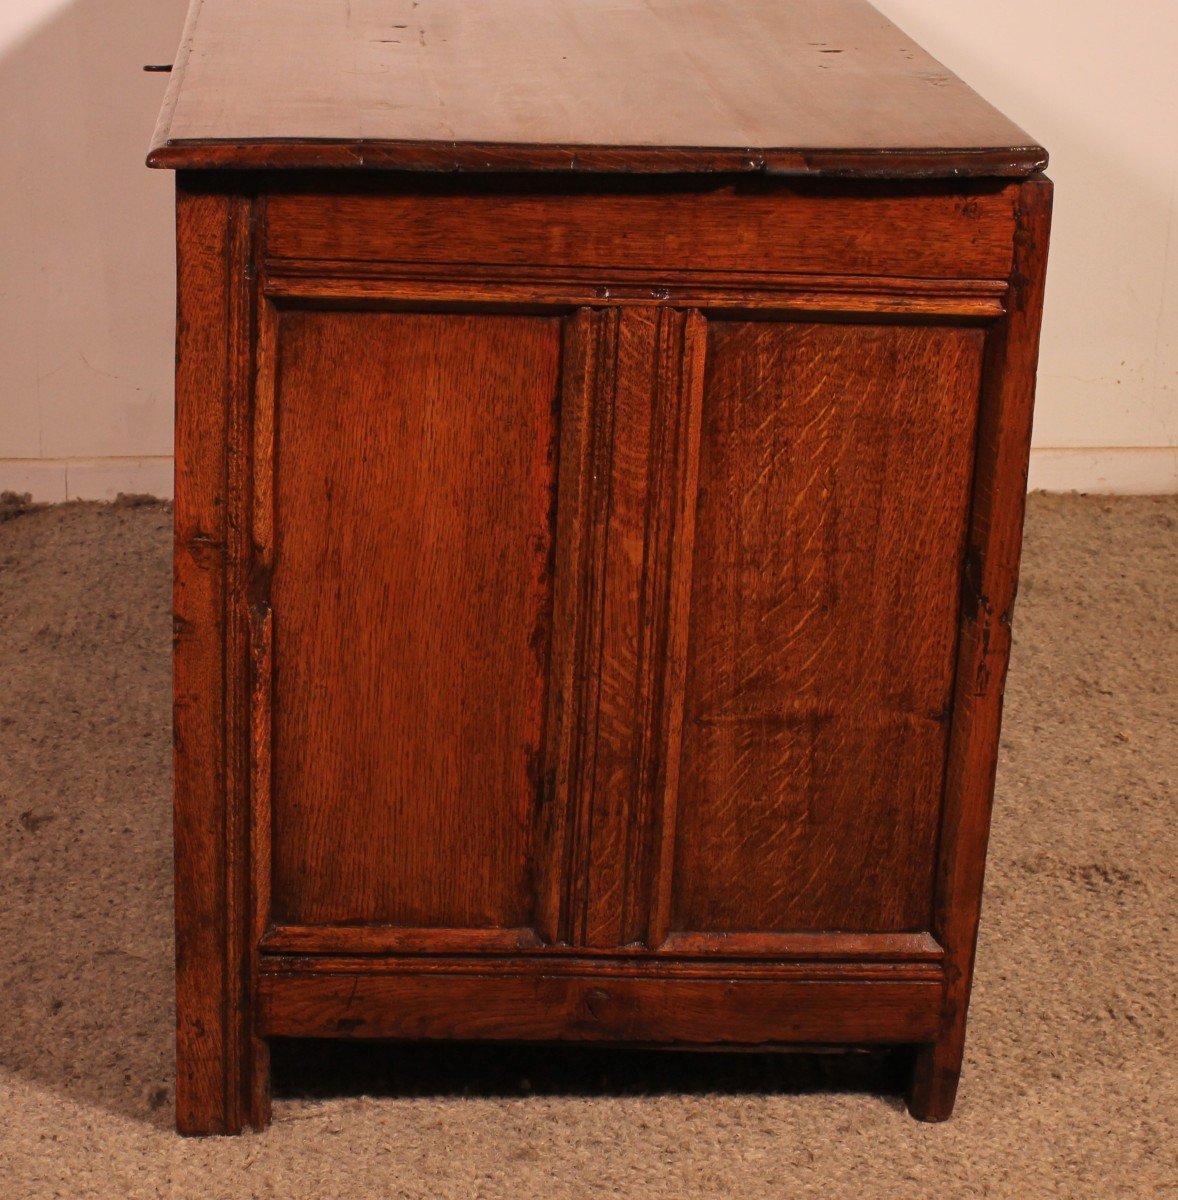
256,511
773,294
596,316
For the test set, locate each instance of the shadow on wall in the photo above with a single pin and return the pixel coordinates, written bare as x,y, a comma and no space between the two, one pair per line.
86,237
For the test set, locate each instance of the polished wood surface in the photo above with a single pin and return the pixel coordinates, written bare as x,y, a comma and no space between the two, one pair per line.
809,86
593,592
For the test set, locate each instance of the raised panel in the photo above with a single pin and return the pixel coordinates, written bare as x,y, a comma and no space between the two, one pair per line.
414,484
834,479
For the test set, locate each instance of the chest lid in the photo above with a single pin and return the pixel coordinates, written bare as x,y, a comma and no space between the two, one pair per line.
804,87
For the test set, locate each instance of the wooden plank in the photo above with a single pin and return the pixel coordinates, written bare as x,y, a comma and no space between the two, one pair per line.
221,1080
852,947
394,939
767,228
663,780
810,86
988,595
620,1008
777,950
628,962
562,288
561,813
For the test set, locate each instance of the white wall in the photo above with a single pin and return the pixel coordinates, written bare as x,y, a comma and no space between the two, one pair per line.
86,259
1096,81
86,292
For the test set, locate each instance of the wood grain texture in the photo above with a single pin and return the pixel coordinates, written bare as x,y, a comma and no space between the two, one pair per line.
845,960
851,951
936,231
644,412
592,604
989,587
858,948
222,1077
412,590
812,86
622,1008
834,493
784,295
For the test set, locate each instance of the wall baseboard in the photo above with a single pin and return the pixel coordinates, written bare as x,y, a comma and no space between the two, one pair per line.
54,480
1142,471
1125,471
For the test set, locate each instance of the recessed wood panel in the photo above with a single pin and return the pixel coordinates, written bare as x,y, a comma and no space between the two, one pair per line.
415,474
834,477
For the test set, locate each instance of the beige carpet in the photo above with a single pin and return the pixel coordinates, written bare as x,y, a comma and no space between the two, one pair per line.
1070,1080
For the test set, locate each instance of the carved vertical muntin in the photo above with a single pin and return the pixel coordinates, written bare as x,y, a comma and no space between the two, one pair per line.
684,486
583,502
635,376
586,409
669,510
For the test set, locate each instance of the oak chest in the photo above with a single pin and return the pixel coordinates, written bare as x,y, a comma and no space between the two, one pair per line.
601,445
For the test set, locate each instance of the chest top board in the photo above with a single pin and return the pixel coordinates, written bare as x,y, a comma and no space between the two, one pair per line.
601,443
797,87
